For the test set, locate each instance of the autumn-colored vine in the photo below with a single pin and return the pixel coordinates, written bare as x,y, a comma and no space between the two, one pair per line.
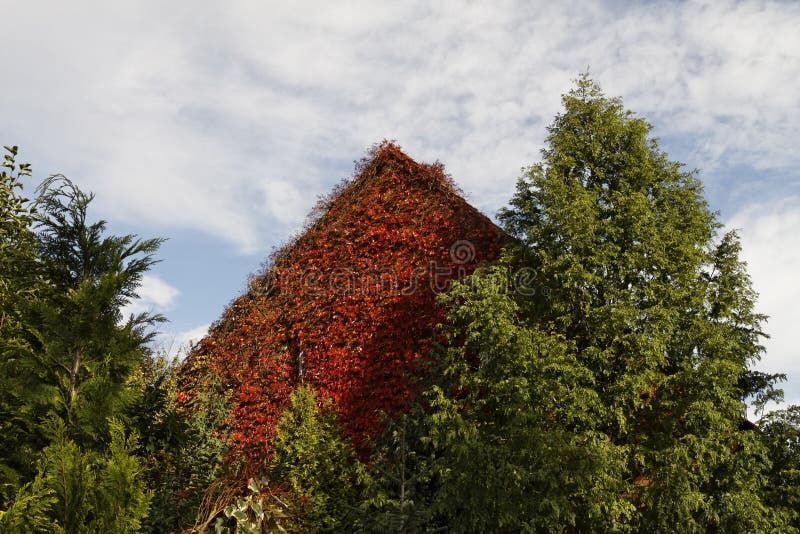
349,307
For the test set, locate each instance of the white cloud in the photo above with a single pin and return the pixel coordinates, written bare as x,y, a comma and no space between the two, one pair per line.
178,115
155,296
770,236
179,343
284,201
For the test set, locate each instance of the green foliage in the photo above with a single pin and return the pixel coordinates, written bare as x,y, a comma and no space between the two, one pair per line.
30,511
120,490
87,491
781,433
89,349
183,449
163,429
66,461
630,359
314,462
18,287
17,254
516,431
68,471
397,485
155,413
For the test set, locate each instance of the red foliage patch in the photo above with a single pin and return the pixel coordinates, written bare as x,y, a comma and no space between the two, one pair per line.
349,306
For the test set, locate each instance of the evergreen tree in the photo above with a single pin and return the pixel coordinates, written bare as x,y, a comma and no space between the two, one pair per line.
397,484
93,492
18,287
515,426
314,461
31,509
66,461
182,446
90,351
24,506
634,341
781,431
121,497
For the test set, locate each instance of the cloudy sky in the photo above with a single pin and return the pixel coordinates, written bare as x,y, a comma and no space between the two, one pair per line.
218,124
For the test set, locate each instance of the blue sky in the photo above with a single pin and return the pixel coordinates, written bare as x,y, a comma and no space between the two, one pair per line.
218,125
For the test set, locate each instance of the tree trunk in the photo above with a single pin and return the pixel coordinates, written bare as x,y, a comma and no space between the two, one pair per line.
73,376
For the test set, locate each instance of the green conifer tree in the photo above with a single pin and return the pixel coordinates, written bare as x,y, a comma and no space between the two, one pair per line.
624,350
515,425
314,461
18,287
90,350
67,359
781,431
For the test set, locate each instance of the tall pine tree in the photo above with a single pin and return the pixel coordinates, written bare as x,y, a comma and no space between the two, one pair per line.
90,350
631,335
67,464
